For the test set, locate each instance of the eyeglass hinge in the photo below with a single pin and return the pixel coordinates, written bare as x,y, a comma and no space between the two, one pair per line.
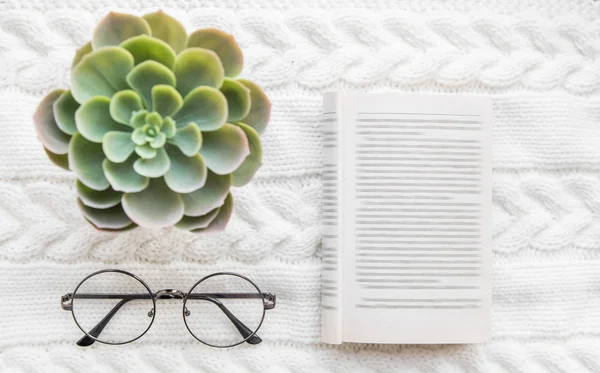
66,302
269,300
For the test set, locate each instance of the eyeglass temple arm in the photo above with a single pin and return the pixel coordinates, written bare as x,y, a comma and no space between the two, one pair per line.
240,326
86,340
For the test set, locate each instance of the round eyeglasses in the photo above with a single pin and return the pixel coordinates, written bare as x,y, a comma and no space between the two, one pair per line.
114,306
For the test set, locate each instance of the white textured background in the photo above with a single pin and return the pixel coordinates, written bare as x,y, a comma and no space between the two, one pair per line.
540,61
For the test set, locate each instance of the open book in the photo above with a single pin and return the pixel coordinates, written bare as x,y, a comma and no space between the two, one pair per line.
406,218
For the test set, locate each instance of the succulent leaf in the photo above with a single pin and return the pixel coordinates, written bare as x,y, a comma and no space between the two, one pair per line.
99,199
166,101
115,28
197,222
144,48
53,139
101,73
154,119
169,127
188,139
117,146
205,106
186,174
123,104
139,136
224,45
159,141
219,223
113,218
61,160
153,167
195,67
122,176
94,120
138,119
146,75
145,151
157,206
225,149
85,160
238,99
168,29
260,110
64,112
81,52
243,174
211,196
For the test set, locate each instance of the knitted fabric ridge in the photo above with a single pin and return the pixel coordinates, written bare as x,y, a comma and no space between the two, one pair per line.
539,62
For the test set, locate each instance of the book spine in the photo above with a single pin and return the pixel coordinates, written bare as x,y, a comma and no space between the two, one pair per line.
331,324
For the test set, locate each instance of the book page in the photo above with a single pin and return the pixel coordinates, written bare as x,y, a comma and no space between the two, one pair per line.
417,239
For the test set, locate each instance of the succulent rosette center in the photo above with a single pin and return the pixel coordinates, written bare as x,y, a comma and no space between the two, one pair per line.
155,126
152,134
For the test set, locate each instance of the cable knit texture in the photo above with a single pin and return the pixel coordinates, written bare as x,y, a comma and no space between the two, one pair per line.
540,62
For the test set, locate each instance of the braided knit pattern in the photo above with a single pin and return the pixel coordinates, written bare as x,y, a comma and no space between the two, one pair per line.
280,219
580,355
313,50
540,63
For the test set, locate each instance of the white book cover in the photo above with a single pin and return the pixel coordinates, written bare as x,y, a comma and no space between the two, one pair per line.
406,218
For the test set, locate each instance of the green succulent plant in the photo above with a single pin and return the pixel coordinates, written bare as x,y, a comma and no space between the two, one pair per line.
155,126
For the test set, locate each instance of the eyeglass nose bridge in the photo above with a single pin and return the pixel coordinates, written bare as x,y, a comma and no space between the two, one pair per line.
169,294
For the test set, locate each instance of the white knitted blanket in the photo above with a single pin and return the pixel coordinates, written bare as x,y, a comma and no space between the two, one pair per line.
539,60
